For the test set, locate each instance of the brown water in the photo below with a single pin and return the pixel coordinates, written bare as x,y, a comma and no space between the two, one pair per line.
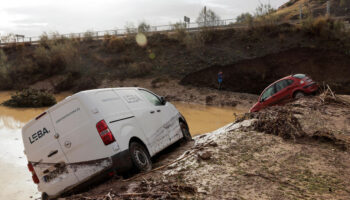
15,180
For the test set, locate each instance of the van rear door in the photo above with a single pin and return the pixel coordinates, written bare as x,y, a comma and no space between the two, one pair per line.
79,138
44,152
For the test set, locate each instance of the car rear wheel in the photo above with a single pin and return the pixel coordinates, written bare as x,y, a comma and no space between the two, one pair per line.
140,157
185,132
298,95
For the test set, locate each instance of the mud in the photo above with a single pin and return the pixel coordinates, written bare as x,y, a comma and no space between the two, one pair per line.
253,75
173,91
268,155
325,117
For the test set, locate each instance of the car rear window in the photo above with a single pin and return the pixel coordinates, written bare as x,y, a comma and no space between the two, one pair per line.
300,76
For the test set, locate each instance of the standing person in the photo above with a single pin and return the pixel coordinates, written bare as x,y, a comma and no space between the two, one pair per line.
220,79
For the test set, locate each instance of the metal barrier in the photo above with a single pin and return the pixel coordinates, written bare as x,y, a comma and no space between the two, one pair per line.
122,32
12,39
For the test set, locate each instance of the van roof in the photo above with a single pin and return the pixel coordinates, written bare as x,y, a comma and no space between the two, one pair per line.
79,94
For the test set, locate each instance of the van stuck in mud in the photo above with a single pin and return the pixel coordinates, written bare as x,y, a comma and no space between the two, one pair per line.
95,132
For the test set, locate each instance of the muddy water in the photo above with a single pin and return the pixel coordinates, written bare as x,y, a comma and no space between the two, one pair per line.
203,119
15,179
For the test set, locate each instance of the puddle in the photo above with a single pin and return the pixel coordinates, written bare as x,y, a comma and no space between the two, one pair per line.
16,181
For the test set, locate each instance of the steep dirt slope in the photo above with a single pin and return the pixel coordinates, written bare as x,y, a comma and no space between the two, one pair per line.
279,153
252,76
290,10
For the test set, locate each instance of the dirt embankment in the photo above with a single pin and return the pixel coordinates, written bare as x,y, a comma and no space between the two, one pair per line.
298,151
173,91
252,76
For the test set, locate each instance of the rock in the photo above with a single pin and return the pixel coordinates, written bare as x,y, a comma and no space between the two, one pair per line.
206,155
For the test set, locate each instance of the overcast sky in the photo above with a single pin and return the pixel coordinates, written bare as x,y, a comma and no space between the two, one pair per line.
33,17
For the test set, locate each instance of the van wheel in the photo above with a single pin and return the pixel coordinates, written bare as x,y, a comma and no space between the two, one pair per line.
44,196
140,157
298,95
185,132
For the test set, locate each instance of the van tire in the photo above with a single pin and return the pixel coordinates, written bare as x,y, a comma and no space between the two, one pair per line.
140,157
44,196
185,132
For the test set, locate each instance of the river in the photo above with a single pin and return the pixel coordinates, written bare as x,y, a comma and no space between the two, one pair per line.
16,182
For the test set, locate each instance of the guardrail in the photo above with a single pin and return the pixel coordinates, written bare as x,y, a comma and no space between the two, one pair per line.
152,29
119,32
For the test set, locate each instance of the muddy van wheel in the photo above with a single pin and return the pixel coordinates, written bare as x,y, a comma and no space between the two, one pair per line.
140,157
185,132
44,196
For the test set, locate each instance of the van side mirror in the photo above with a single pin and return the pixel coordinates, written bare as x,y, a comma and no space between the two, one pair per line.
262,100
162,100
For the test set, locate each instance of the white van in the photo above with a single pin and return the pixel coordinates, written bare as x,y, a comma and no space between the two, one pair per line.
100,131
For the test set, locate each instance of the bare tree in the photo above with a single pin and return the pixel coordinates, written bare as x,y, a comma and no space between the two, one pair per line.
143,27
244,18
207,17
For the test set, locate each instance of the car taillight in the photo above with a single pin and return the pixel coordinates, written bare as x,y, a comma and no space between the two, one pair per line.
34,176
105,134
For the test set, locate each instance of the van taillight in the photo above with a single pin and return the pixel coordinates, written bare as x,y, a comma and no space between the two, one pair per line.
30,167
35,179
105,134
34,176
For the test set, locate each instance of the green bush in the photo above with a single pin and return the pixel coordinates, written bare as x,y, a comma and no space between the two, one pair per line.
5,82
323,26
31,98
56,58
114,44
179,30
245,18
88,36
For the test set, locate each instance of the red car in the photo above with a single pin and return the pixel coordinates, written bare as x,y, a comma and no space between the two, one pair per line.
279,92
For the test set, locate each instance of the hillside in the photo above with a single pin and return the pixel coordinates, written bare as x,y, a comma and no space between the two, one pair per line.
291,9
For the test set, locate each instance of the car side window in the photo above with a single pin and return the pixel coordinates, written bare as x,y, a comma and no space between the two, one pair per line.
268,93
153,99
290,82
283,84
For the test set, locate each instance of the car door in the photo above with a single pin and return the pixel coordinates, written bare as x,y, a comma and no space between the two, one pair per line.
165,114
283,91
267,97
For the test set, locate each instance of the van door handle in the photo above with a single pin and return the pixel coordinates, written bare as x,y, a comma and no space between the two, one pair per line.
52,153
158,110
152,111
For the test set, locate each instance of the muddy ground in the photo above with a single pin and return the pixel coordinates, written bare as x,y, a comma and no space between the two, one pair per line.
324,66
297,151
173,91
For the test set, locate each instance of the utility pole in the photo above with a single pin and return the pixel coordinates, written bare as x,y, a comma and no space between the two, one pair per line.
205,16
328,8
